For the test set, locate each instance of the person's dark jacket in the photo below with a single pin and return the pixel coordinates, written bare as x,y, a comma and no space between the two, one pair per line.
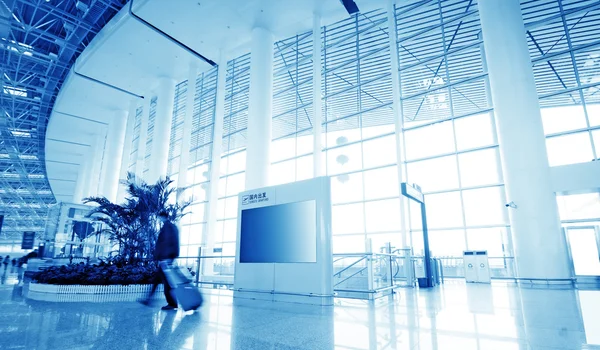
167,244
30,255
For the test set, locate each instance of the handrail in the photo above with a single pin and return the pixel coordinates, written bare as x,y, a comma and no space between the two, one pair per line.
217,282
207,257
349,266
341,258
349,277
350,255
460,257
370,291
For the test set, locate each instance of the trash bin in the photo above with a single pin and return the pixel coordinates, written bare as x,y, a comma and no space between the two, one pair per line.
476,265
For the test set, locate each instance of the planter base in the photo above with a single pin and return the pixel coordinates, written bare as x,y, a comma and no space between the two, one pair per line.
94,294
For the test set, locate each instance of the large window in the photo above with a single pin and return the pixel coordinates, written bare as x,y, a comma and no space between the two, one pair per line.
360,149
449,146
199,158
566,64
292,146
196,186
232,173
135,141
150,136
177,124
450,143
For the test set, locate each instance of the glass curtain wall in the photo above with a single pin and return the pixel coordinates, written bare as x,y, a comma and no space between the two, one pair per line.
450,143
193,225
151,119
563,40
360,147
179,105
200,160
135,140
232,177
292,144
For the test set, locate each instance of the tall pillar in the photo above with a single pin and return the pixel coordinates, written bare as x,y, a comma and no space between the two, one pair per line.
83,177
259,109
97,160
143,138
184,157
398,115
317,102
113,154
217,149
127,144
540,248
162,130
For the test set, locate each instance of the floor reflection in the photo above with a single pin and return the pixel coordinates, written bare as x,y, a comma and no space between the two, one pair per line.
455,316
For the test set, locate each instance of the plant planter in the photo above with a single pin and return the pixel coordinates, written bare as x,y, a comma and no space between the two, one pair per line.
80,293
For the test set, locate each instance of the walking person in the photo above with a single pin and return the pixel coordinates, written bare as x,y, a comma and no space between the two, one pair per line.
14,265
6,262
166,250
20,269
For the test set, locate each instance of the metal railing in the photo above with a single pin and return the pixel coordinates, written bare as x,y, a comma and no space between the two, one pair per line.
217,270
365,275
361,275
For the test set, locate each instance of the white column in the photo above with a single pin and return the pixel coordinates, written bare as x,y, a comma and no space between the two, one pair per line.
317,102
83,177
162,130
188,121
113,154
141,151
259,109
398,115
217,149
127,144
540,247
95,163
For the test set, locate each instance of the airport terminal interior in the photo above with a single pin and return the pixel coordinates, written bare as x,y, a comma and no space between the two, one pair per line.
343,174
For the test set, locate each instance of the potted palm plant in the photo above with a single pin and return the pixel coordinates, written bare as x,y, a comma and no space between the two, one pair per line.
132,227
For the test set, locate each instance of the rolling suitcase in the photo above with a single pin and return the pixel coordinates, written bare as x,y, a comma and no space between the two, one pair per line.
188,295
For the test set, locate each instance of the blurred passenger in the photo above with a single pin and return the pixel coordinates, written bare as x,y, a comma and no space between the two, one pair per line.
20,269
14,265
167,250
32,254
6,262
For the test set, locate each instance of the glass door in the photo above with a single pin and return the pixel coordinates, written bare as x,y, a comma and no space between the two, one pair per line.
584,246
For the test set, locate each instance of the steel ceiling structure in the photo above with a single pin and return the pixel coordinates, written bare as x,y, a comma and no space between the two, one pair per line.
39,42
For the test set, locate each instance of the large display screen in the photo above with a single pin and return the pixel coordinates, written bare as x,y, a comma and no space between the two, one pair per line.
284,233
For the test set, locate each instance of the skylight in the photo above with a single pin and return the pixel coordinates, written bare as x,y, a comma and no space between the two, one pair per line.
18,47
15,91
28,156
18,133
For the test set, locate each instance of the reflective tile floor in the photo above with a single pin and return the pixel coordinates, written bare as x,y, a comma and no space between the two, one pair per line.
454,316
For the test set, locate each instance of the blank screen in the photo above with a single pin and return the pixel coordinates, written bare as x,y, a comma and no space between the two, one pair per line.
284,233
